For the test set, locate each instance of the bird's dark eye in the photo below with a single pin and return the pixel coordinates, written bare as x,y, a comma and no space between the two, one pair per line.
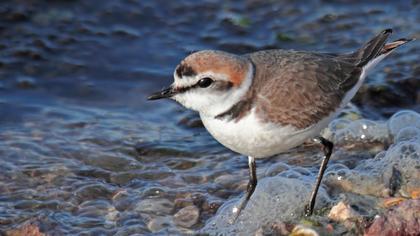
205,82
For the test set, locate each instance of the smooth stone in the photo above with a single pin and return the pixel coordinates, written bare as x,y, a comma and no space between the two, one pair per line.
342,212
159,206
159,223
187,216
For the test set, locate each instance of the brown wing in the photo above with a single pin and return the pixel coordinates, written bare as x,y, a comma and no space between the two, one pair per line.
300,88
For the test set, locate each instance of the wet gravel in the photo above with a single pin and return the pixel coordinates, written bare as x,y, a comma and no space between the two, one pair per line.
83,152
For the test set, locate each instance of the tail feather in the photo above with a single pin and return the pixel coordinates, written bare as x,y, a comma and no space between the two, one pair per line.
371,49
391,46
385,51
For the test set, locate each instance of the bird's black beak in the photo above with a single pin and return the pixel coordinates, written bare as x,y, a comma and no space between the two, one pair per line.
166,93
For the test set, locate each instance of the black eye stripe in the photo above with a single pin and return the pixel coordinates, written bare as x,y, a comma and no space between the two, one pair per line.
185,89
223,85
218,85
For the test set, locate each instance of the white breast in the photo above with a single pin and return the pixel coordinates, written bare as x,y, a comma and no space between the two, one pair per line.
249,136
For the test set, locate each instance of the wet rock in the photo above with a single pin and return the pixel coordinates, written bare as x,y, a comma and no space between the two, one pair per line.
301,230
392,172
230,181
132,230
91,81
198,199
154,192
275,199
183,202
159,206
29,229
409,86
121,200
181,164
275,228
382,96
156,150
97,209
93,191
25,82
403,219
128,176
342,212
159,223
187,216
210,207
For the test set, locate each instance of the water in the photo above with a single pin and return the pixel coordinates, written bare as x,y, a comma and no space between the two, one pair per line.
83,152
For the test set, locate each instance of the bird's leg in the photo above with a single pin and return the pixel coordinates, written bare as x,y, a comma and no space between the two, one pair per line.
250,188
327,148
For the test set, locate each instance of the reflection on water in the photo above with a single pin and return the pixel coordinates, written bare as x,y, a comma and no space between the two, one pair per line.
83,151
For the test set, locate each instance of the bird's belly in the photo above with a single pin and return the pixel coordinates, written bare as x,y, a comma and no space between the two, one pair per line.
249,136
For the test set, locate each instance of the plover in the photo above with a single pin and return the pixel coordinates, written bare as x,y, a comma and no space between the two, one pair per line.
267,102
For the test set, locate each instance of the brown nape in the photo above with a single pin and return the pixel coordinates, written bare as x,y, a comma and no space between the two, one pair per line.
184,70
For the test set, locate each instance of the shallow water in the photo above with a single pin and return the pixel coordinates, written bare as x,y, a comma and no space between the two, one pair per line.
83,152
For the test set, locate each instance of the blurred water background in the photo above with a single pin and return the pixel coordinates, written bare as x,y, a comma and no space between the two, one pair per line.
83,152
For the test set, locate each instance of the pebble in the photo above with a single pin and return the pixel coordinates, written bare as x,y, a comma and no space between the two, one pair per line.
232,181
275,228
403,219
342,212
415,193
159,223
301,230
392,201
93,191
121,200
29,229
159,206
187,216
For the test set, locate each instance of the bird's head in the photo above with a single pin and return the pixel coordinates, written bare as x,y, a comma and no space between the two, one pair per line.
209,82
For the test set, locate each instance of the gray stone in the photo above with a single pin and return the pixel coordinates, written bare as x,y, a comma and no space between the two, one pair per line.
187,216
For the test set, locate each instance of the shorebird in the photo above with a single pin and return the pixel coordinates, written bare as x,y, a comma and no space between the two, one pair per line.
264,103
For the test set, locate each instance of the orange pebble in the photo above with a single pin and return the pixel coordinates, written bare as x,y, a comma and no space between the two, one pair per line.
393,201
415,194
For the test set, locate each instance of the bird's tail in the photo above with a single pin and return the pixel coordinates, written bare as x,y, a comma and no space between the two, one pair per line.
377,47
391,46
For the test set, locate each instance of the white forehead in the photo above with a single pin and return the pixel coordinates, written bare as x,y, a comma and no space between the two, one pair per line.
186,81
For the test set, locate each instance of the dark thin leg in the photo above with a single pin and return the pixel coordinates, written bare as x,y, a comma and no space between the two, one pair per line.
327,148
250,188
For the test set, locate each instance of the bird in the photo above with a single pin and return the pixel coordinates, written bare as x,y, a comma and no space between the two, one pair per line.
267,102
